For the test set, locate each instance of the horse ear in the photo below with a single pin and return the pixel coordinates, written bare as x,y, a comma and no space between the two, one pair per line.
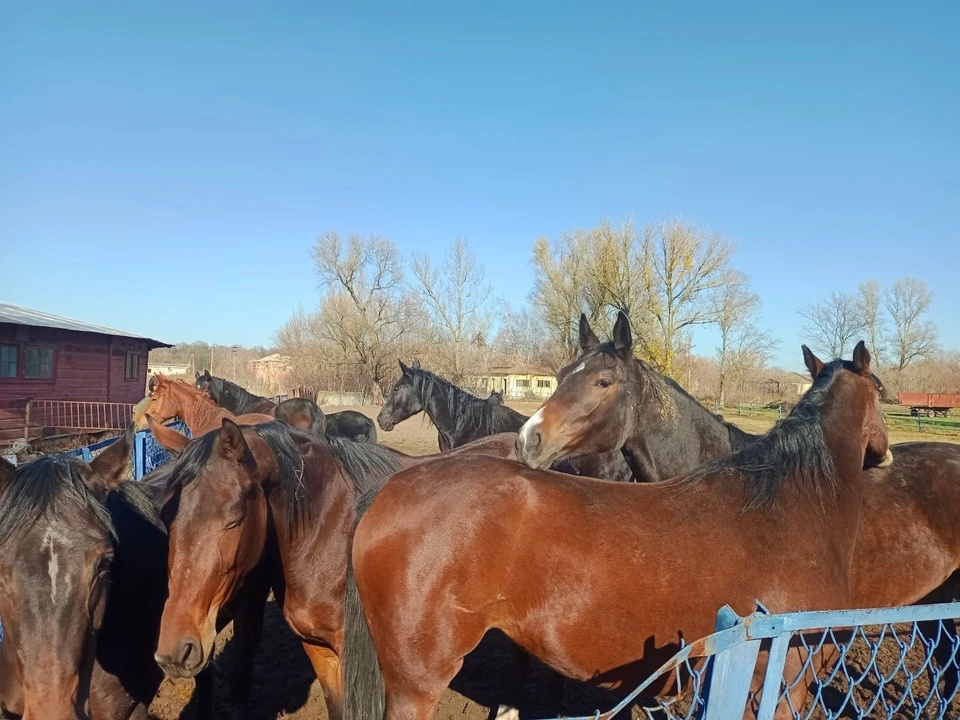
416,363
233,446
112,465
861,358
813,363
622,335
588,338
207,375
7,471
403,368
167,437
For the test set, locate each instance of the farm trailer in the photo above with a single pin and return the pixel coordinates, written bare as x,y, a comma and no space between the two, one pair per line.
929,404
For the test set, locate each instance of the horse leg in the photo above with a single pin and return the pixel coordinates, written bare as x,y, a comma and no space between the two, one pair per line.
516,679
247,628
326,665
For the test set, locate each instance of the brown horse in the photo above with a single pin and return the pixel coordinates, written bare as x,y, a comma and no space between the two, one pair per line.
175,398
243,494
605,401
600,579
82,582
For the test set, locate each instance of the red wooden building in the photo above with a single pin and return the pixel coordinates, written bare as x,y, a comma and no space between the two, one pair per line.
57,373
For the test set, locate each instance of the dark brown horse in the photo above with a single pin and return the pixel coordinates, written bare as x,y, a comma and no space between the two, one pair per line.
657,423
461,418
231,396
347,424
599,579
82,583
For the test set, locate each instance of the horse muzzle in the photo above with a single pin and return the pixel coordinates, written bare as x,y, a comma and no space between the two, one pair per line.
185,661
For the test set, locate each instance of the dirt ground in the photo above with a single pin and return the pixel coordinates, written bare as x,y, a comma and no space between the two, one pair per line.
283,685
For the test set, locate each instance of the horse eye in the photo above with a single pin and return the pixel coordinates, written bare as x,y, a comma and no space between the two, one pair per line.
604,383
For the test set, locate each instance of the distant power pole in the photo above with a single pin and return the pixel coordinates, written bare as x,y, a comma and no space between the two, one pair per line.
234,349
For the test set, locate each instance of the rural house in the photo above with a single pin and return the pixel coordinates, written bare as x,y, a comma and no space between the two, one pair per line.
58,374
516,382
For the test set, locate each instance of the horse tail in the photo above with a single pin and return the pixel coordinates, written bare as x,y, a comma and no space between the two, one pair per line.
364,695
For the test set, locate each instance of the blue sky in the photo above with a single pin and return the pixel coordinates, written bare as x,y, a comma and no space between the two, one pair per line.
165,167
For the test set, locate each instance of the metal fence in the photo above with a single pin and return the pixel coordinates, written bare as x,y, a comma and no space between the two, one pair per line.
884,663
28,418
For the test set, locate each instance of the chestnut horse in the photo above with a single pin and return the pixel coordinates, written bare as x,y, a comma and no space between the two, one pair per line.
246,493
605,401
600,579
82,583
175,398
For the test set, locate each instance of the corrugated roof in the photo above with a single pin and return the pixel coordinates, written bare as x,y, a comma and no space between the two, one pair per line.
16,315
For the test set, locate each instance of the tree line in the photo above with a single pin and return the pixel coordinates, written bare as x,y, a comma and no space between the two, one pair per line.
670,277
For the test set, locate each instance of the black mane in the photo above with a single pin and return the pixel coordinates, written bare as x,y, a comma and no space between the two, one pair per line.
50,485
794,448
470,413
234,398
369,466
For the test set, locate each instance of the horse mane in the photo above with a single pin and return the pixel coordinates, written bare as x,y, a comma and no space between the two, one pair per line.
793,450
50,485
466,409
234,398
369,466
144,500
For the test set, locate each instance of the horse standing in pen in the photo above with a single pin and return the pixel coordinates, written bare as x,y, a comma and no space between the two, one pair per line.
595,605
461,418
604,401
348,424
270,491
82,582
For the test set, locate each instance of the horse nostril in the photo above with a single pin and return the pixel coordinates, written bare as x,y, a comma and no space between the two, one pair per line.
190,654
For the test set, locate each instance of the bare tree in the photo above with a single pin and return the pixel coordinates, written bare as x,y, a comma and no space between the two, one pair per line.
742,344
458,301
870,297
562,273
364,313
685,266
833,325
523,339
912,337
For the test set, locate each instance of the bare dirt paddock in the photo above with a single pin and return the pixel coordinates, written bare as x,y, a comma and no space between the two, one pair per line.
283,684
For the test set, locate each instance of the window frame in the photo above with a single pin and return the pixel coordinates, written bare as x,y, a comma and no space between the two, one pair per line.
126,366
18,364
24,348
544,384
523,383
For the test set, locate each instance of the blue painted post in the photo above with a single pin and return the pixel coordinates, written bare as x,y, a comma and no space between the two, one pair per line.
139,456
85,454
731,674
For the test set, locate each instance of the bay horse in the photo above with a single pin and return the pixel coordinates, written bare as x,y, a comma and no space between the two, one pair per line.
665,432
348,424
82,584
461,418
244,493
600,579
231,396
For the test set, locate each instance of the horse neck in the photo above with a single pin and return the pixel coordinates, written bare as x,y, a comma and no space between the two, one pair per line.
652,448
437,407
313,557
199,412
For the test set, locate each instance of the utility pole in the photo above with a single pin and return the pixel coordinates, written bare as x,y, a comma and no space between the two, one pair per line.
234,349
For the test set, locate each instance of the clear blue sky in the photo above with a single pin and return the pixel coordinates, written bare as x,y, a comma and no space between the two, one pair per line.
165,167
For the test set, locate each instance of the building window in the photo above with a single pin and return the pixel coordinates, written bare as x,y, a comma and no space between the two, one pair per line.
9,359
132,371
543,383
523,383
38,363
